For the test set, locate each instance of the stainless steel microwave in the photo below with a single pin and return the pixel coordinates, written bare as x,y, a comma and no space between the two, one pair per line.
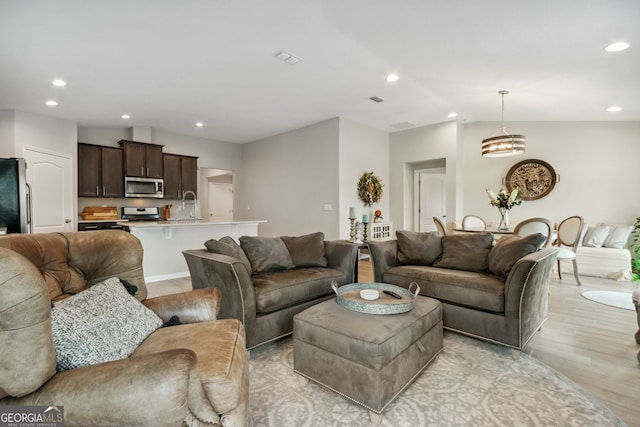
143,187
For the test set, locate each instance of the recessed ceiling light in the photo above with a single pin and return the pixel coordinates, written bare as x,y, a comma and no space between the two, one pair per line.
392,78
617,47
199,124
51,103
452,115
614,109
126,116
59,82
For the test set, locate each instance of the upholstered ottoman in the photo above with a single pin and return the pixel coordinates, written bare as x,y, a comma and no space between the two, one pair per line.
368,358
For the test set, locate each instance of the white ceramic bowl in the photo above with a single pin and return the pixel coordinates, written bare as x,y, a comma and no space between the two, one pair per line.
369,294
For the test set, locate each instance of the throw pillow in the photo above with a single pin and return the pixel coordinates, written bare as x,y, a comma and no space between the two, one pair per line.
418,248
307,250
618,236
466,252
507,251
229,247
266,254
595,236
100,324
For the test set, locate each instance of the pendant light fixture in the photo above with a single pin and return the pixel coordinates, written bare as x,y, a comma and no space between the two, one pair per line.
504,144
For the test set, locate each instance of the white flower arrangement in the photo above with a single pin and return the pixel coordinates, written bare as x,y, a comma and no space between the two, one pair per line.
504,199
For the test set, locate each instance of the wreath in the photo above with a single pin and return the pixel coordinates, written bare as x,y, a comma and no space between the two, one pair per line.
369,188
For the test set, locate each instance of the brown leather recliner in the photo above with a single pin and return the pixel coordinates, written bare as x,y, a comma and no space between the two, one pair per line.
195,373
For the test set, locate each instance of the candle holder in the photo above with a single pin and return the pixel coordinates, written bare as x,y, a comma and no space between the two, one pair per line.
352,230
365,227
358,232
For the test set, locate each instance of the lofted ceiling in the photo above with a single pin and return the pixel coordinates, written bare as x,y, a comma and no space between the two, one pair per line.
171,63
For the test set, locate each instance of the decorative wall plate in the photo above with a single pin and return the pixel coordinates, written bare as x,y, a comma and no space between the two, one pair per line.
535,179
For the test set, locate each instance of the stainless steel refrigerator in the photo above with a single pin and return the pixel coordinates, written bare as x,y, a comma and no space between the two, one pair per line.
15,203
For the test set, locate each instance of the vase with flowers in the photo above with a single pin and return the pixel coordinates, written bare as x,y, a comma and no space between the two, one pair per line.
504,201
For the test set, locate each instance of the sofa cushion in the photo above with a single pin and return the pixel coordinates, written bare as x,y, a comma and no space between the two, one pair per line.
307,250
418,248
227,246
595,236
466,252
466,288
277,290
266,254
100,324
618,236
508,250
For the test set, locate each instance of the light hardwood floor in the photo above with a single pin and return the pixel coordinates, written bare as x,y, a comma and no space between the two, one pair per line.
590,343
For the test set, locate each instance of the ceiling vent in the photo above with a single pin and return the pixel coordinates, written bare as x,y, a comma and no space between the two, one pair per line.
287,57
376,98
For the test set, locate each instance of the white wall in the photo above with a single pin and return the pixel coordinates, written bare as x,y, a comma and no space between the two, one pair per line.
362,149
19,129
596,161
7,133
288,178
412,149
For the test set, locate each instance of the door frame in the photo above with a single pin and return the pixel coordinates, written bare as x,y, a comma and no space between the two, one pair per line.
71,202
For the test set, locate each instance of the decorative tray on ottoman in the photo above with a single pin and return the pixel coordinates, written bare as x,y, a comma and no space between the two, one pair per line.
349,296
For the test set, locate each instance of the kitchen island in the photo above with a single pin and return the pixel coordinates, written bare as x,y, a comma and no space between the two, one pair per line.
164,241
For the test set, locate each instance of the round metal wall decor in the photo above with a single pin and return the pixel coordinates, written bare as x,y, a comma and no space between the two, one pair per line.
535,179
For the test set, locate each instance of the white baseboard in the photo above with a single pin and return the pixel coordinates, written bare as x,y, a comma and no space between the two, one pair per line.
150,279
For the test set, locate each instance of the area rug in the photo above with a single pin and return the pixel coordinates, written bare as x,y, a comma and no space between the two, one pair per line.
614,299
472,383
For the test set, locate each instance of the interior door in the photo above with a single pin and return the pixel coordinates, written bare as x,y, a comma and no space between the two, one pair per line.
432,199
50,176
220,201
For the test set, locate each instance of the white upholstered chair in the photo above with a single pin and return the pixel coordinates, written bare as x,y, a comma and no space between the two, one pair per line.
440,226
473,222
569,232
535,225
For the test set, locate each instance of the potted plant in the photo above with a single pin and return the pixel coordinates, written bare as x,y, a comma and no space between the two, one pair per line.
634,247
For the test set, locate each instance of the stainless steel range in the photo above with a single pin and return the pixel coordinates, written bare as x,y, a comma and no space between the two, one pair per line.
141,214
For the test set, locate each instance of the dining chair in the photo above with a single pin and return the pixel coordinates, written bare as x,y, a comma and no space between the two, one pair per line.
440,226
569,232
473,222
535,225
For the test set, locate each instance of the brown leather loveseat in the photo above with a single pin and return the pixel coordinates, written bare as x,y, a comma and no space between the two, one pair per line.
193,373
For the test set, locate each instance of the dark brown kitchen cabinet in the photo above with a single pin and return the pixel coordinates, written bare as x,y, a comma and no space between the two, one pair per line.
100,171
180,175
142,160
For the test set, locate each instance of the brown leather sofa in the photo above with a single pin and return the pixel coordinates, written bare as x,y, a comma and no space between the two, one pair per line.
267,302
504,307
195,373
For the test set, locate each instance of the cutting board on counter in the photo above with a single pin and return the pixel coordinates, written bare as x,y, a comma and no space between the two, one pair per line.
96,213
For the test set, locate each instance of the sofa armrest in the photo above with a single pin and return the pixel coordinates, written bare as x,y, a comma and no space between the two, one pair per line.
143,390
230,276
200,305
527,289
384,255
342,256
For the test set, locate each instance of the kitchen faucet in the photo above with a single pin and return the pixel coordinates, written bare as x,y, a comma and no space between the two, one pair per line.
193,203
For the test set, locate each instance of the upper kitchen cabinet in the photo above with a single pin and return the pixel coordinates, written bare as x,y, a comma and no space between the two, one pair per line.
142,160
100,171
180,175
